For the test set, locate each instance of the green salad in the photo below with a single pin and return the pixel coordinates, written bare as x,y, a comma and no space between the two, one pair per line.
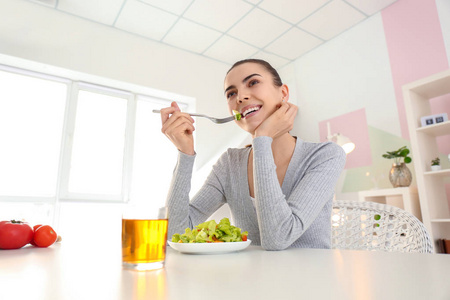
237,115
211,232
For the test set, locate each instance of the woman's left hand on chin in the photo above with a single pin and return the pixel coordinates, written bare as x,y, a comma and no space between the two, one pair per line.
279,123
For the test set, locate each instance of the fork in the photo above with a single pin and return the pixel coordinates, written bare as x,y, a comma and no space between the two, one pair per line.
215,120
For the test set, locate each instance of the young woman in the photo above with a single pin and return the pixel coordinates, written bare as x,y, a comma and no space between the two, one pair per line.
280,189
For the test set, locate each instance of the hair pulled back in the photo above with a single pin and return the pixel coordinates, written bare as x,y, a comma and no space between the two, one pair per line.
276,78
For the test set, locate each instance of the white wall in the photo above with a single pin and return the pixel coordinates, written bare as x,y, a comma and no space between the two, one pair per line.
351,72
37,33
345,74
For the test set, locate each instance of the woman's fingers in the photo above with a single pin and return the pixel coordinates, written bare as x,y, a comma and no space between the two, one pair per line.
175,121
285,112
176,117
170,114
178,127
280,122
166,112
180,133
292,110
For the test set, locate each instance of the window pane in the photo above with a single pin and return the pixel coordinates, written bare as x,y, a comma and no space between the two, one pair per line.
98,144
33,213
154,157
31,122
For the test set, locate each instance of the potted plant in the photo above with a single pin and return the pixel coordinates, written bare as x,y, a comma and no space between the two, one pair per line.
399,175
436,164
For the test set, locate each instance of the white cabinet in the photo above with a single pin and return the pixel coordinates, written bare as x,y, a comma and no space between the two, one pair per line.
406,198
433,200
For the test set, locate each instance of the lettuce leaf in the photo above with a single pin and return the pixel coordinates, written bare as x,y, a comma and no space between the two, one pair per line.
209,232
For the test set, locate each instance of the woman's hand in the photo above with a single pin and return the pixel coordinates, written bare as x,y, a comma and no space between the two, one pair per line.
178,127
279,123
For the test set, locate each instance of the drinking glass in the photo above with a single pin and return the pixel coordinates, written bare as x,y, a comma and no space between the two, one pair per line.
144,235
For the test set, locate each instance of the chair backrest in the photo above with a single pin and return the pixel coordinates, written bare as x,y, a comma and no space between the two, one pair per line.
365,225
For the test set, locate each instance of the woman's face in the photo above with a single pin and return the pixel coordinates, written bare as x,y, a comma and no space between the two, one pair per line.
249,89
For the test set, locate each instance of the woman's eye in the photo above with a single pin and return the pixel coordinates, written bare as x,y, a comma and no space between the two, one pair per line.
230,94
253,82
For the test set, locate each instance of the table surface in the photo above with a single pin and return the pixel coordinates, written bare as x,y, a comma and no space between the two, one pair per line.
73,270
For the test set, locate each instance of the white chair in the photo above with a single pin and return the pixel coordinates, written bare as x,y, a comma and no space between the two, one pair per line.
368,225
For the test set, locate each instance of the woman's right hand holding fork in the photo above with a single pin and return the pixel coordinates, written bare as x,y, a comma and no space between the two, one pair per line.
179,128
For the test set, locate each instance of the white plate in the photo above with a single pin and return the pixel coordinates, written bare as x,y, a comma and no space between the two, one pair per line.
209,248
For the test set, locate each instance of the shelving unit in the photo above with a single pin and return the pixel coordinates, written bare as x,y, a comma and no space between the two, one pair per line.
433,200
406,198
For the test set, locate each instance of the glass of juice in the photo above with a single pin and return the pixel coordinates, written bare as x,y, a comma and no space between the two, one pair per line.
144,235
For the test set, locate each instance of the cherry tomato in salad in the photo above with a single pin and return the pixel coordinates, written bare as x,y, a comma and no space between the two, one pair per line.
244,238
44,236
14,234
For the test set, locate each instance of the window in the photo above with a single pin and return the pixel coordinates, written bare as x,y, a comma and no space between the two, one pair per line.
97,143
152,171
69,141
31,126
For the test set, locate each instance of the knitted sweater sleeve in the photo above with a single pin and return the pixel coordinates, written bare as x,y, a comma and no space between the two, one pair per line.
283,220
184,212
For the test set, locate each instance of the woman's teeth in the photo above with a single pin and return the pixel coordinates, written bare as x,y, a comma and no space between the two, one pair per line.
250,110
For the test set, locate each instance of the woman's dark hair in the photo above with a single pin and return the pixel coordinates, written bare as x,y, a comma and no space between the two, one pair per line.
276,78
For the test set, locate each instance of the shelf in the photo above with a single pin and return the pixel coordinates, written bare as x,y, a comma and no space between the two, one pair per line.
434,204
436,129
387,192
432,86
443,173
405,198
440,221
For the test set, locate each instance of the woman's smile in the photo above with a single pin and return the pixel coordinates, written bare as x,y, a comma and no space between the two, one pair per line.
250,110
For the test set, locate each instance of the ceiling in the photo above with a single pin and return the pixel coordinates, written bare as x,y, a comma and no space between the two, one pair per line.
279,31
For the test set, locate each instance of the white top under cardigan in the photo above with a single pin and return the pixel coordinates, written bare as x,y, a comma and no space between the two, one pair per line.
297,214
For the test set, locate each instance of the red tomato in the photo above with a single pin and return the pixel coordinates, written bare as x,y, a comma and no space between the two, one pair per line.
35,227
44,236
244,238
14,234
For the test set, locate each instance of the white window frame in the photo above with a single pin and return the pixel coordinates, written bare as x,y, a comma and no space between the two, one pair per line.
79,81
35,74
64,194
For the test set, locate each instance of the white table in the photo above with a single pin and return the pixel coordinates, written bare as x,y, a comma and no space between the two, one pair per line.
74,271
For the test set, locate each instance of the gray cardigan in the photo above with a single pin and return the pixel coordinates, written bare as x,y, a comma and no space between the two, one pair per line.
296,214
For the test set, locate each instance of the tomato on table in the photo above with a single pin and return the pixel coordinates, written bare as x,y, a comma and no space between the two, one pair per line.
14,234
44,236
35,227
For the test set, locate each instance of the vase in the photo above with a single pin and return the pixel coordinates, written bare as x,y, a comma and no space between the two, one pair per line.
435,168
400,175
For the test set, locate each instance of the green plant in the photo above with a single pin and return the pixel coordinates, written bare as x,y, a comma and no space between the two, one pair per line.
399,155
436,162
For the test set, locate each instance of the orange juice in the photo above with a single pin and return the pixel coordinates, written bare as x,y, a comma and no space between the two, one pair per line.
144,241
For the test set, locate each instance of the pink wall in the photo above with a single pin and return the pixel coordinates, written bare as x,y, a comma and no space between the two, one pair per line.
354,126
415,45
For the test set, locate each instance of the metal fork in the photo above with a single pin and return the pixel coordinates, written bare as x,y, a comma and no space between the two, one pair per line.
215,120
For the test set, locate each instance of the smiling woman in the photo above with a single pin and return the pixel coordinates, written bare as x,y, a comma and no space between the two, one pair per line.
280,189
